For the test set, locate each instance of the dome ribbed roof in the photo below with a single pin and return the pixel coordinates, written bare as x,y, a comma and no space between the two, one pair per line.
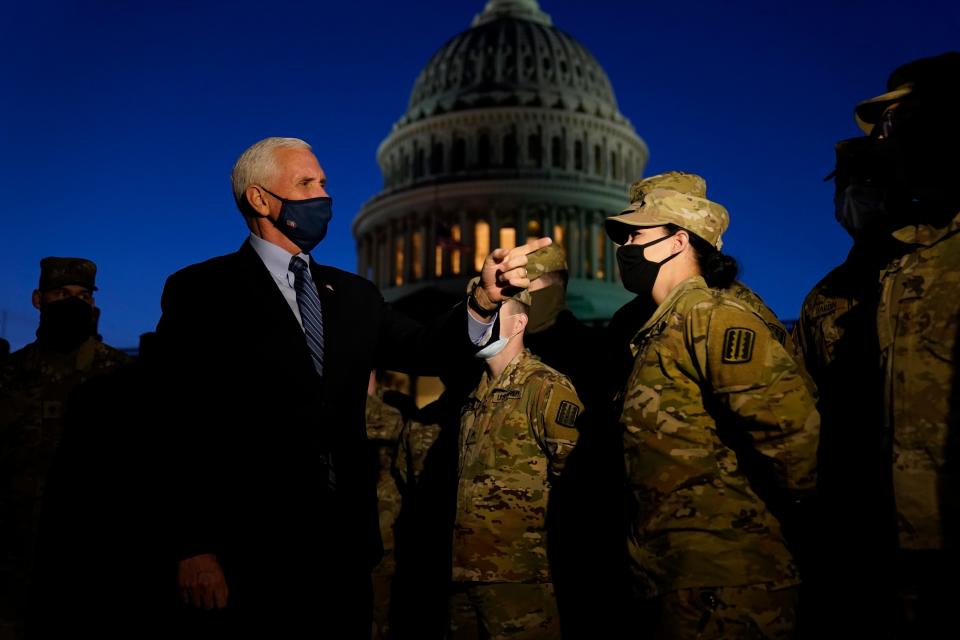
512,56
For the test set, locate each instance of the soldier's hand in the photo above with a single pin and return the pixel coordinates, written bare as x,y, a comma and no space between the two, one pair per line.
505,270
202,583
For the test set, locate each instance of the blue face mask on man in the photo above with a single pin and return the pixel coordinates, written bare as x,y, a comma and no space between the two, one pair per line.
304,222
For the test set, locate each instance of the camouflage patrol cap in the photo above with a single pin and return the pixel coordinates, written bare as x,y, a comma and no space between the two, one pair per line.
522,296
937,76
689,183
546,260
60,272
658,207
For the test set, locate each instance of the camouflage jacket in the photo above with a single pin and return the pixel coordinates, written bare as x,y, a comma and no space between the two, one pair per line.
713,398
917,326
749,298
384,424
817,331
416,440
516,433
841,305
34,387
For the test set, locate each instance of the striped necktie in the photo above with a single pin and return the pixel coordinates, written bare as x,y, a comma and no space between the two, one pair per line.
310,314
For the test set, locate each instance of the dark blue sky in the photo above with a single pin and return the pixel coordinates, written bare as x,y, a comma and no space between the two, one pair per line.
120,121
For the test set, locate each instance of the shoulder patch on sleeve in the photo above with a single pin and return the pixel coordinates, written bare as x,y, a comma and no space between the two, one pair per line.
738,343
560,414
567,414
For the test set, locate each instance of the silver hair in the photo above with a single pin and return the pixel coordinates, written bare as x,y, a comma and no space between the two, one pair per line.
258,164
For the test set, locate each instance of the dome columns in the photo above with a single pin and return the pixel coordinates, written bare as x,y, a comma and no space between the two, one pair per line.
495,141
411,249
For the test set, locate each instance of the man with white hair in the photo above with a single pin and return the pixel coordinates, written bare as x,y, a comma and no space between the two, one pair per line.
274,511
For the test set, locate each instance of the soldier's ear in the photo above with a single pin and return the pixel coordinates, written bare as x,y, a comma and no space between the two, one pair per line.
36,299
522,320
681,240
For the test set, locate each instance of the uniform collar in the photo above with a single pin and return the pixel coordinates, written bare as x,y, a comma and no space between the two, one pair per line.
487,384
696,282
78,359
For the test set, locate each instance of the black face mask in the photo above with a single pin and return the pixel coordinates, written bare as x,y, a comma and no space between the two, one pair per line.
65,324
866,188
304,222
637,273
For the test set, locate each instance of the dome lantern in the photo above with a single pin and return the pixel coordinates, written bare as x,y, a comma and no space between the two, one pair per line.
523,9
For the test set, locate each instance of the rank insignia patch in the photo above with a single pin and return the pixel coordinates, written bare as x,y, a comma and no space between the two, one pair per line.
738,345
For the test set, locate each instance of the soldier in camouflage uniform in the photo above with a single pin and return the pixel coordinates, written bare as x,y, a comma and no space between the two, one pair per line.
835,338
694,185
384,424
720,434
416,441
914,125
400,445
517,430
34,385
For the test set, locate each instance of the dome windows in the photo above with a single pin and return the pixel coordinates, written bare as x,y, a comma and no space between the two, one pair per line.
458,155
534,150
557,159
483,151
436,158
510,151
508,238
481,233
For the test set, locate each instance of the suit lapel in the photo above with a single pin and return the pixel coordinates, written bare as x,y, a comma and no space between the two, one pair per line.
279,327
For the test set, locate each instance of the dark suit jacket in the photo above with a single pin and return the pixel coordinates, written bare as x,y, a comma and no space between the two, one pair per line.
253,424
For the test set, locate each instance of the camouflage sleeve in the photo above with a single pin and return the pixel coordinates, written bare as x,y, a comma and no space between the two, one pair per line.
799,348
797,340
383,421
414,444
800,341
554,416
766,405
